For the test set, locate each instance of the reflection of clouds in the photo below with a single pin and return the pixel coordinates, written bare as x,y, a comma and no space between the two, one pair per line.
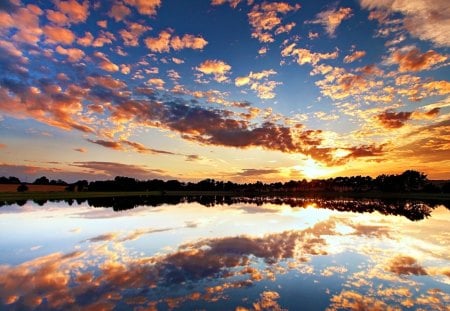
105,275
329,271
406,265
267,301
58,281
43,278
390,299
103,238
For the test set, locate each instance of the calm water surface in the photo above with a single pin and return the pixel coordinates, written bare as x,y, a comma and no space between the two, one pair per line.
240,254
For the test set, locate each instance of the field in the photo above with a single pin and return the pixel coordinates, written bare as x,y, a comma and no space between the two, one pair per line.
32,188
9,194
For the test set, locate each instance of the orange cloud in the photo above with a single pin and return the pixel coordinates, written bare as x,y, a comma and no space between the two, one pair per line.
86,40
165,41
438,87
161,43
405,265
232,3
105,37
103,23
56,34
105,63
332,18
145,7
26,21
73,54
108,66
188,42
131,35
75,11
393,120
119,11
217,68
106,81
423,19
304,56
264,18
57,17
264,89
62,111
414,60
158,83
354,56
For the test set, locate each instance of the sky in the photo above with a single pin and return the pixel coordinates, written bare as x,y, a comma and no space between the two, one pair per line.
239,90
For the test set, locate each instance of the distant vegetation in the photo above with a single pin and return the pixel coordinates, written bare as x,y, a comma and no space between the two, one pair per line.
408,181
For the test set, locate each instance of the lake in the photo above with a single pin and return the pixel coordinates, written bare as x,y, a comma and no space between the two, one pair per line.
216,253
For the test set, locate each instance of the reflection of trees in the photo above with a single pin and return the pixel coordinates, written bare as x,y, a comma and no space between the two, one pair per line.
413,210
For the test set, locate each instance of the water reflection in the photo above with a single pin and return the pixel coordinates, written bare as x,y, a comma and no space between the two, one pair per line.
276,254
411,209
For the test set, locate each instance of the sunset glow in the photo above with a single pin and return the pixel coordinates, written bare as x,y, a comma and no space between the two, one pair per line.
239,90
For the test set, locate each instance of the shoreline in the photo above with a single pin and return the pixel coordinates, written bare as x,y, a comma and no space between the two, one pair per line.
11,197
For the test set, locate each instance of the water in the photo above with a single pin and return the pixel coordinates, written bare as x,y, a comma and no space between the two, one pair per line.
224,254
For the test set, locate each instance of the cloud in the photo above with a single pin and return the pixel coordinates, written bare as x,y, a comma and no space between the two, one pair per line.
188,42
156,82
393,120
251,172
61,281
142,149
123,144
108,144
145,7
305,56
265,18
217,68
414,60
56,34
354,56
119,11
332,18
165,41
73,54
426,20
106,82
105,63
264,89
103,23
130,36
75,11
47,104
26,21
112,169
402,265
232,3
87,40
57,17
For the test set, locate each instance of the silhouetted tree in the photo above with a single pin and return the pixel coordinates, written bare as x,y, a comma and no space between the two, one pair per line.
9,180
42,181
22,188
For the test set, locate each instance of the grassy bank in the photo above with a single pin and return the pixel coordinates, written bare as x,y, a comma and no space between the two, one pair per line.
10,197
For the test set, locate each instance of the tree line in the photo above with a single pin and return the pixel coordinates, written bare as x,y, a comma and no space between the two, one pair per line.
408,181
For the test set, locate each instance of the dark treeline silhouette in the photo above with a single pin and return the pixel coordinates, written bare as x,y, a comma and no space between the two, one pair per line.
413,210
408,181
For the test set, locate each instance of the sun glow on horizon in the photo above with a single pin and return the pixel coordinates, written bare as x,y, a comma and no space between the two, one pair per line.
312,169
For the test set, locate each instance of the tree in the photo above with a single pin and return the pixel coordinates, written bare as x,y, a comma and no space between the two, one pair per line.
42,181
413,180
22,188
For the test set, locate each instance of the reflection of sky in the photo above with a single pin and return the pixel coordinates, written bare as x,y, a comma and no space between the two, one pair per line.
189,256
